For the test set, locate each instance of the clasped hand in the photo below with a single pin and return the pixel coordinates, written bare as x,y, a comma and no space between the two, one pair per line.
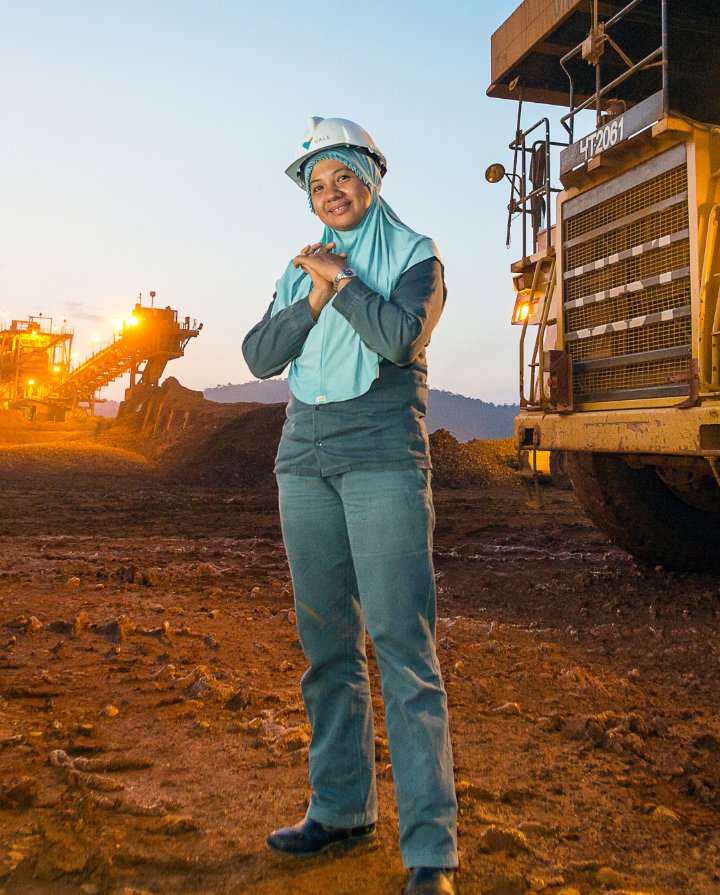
322,266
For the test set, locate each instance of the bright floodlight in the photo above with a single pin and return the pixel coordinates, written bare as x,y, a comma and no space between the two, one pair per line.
495,173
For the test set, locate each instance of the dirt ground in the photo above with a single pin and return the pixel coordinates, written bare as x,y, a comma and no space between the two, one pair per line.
152,731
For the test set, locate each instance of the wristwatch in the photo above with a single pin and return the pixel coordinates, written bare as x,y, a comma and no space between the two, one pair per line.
344,274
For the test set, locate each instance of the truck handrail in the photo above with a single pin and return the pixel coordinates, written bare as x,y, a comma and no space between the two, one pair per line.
519,146
600,91
548,296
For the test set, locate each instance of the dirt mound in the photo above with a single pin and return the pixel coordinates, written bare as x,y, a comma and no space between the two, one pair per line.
201,442
171,423
28,464
241,453
243,450
178,436
477,464
11,419
17,429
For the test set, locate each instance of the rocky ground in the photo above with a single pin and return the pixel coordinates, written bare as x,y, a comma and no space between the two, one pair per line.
151,726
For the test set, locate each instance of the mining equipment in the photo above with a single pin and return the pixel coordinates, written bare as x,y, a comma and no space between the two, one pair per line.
620,268
37,378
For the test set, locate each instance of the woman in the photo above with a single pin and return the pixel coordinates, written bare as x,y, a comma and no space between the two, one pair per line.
352,315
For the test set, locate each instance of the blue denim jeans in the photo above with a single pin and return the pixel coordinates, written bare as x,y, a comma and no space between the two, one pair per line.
360,552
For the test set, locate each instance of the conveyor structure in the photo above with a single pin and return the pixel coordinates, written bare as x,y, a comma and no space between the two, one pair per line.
37,378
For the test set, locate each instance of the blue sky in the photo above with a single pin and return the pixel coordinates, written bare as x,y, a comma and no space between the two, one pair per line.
143,144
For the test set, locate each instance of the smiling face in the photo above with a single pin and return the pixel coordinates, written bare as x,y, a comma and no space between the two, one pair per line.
340,198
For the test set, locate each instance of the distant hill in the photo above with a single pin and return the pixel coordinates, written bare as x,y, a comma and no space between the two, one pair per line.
465,418
468,418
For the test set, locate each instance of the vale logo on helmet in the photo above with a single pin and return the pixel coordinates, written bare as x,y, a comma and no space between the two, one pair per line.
316,139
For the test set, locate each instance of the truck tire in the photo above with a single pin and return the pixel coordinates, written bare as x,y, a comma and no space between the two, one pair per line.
642,515
558,471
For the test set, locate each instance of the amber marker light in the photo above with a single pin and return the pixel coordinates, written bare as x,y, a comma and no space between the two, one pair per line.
522,307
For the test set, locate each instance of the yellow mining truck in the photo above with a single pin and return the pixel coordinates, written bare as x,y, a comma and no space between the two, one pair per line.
616,292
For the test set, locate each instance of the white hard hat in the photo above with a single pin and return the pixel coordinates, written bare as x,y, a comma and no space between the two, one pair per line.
322,133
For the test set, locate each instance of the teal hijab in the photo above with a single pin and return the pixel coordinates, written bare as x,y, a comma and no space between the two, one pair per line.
335,364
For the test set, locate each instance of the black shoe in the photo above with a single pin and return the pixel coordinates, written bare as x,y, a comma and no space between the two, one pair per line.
432,881
311,838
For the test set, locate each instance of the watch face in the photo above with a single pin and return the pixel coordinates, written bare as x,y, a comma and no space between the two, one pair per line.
344,274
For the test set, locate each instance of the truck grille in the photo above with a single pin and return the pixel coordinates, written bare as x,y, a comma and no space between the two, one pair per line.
626,284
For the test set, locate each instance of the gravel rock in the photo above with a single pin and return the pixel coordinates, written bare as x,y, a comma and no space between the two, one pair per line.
509,710
464,789
110,711
534,830
20,792
658,727
73,582
63,852
99,782
665,814
516,796
190,678
58,758
708,742
80,624
635,724
164,673
496,839
609,878
574,729
162,633
116,631
207,685
634,743
83,730
175,825
508,885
